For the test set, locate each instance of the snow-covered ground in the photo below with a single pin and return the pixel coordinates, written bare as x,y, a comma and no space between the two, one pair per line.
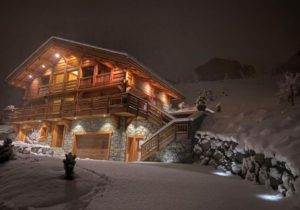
37,183
252,116
251,113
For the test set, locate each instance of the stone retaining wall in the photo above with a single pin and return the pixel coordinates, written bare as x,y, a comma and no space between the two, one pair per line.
211,150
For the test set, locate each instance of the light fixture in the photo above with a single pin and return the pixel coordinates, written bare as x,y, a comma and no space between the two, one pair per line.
270,197
222,173
30,76
57,55
43,66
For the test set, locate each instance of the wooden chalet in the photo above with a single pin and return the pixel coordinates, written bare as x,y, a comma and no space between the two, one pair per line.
95,102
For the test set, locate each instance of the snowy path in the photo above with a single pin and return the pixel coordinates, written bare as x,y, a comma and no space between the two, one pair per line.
117,185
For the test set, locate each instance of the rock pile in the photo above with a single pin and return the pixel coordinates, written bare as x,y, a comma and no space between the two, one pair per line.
220,152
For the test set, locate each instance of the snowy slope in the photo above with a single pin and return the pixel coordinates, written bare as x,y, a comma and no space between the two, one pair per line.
37,183
252,115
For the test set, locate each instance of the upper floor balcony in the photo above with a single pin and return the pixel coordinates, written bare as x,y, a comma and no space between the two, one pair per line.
95,81
123,104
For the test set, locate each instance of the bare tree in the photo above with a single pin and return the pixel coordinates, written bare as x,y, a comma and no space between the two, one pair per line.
289,87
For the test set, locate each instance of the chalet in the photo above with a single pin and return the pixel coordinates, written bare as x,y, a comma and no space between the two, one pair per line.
95,102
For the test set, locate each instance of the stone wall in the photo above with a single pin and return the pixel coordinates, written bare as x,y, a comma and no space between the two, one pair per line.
178,151
119,132
210,149
117,126
97,125
141,127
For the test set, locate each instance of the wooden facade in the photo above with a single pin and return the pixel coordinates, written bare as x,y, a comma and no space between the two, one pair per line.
66,80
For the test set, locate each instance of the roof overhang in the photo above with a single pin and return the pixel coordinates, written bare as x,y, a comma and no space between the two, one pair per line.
54,43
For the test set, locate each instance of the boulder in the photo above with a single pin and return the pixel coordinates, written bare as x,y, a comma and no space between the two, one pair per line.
217,155
263,175
205,145
205,161
260,158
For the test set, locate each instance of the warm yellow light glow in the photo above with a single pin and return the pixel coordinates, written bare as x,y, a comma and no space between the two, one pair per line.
57,55
163,97
147,88
43,66
47,72
30,76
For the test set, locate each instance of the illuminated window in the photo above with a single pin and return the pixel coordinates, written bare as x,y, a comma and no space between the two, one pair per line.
58,78
56,105
43,133
72,75
69,99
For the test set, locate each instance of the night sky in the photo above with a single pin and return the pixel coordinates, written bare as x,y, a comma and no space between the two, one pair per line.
170,37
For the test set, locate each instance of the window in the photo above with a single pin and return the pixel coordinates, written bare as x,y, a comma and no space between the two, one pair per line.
58,78
56,105
43,133
69,99
103,69
88,71
72,75
45,80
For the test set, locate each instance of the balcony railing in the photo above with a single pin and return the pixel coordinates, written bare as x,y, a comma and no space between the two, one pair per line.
85,82
119,103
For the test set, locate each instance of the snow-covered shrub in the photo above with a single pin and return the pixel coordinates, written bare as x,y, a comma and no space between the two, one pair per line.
35,149
6,150
69,164
289,88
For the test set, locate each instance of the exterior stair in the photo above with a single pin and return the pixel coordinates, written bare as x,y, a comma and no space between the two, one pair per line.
168,132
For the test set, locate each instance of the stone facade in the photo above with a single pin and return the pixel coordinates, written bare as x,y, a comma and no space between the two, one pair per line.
177,151
141,128
118,129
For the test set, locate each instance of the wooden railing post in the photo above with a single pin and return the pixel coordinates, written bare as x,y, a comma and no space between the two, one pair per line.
107,106
138,107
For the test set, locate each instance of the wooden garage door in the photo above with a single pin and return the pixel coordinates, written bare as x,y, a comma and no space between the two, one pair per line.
93,146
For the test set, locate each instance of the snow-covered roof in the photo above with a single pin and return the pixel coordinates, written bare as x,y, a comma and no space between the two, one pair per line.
92,50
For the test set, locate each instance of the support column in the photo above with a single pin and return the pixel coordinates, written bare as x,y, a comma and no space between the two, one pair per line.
122,137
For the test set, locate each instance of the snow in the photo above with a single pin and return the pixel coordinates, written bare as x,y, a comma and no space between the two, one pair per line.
37,183
252,116
6,129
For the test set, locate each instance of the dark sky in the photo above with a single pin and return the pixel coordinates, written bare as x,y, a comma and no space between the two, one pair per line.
170,37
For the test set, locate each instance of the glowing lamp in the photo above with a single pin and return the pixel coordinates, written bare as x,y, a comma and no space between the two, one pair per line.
270,197
222,173
43,66
57,55
30,76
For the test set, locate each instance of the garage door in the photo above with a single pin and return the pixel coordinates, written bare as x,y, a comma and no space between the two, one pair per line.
93,146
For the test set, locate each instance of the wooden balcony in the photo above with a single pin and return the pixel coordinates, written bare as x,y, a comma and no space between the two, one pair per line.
125,104
56,88
100,80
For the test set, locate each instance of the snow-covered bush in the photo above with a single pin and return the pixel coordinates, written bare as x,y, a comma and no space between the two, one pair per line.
35,149
6,150
289,88
69,164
